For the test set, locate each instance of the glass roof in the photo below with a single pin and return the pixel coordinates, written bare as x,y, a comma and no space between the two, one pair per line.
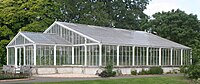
122,36
45,38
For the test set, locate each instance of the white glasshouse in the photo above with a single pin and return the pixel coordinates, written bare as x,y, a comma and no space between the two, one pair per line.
86,47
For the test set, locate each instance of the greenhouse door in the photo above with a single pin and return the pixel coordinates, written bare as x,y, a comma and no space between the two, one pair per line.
20,56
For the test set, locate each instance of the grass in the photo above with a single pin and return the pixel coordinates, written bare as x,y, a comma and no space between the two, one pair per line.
146,80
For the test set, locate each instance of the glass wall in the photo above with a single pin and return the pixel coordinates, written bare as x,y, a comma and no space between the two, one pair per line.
79,55
11,56
125,55
63,55
140,55
186,57
165,56
153,56
20,40
176,57
93,55
68,35
29,55
109,54
45,55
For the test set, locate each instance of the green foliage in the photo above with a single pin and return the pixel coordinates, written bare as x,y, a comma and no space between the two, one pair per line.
27,15
155,70
175,25
126,14
13,76
143,72
142,80
134,72
193,71
152,70
108,72
180,27
183,69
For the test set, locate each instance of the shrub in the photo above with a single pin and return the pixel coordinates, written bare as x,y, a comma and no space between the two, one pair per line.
13,76
143,72
134,72
108,72
193,71
155,70
183,69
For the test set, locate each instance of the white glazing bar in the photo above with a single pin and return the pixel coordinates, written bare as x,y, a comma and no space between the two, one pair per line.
72,54
7,56
133,58
54,55
15,57
34,53
85,46
100,54
117,55
24,55
147,58
171,53
181,56
20,55
160,55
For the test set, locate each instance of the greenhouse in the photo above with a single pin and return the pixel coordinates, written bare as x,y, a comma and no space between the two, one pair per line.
68,45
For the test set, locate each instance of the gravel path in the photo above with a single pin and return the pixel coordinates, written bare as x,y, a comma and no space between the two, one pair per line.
66,77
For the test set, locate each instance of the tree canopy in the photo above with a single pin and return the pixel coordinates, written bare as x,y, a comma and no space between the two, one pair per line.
126,14
37,15
175,25
25,15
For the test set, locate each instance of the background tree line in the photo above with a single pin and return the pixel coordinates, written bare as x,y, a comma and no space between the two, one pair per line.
37,15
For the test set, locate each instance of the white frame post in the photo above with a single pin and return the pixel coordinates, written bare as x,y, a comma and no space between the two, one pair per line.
54,54
15,56
72,54
133,56
34,53
100,54
117,55
181,56
171,54
6,55
85,46
160,55
24,55
147,60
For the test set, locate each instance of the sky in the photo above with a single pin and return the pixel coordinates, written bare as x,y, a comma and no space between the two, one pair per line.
189,6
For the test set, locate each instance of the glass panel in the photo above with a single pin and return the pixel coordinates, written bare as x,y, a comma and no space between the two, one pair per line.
176,57
125,55
79,55
68,35
45,55
93,55
63,55
11,56
109,54
140,55
165,56
29,55
20,40
153,56
186,57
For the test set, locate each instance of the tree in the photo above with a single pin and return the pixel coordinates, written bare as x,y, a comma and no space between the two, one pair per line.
180,27
175,25
27,15
126,14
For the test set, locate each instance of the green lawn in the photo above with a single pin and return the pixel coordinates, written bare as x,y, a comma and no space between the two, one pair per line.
147,80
